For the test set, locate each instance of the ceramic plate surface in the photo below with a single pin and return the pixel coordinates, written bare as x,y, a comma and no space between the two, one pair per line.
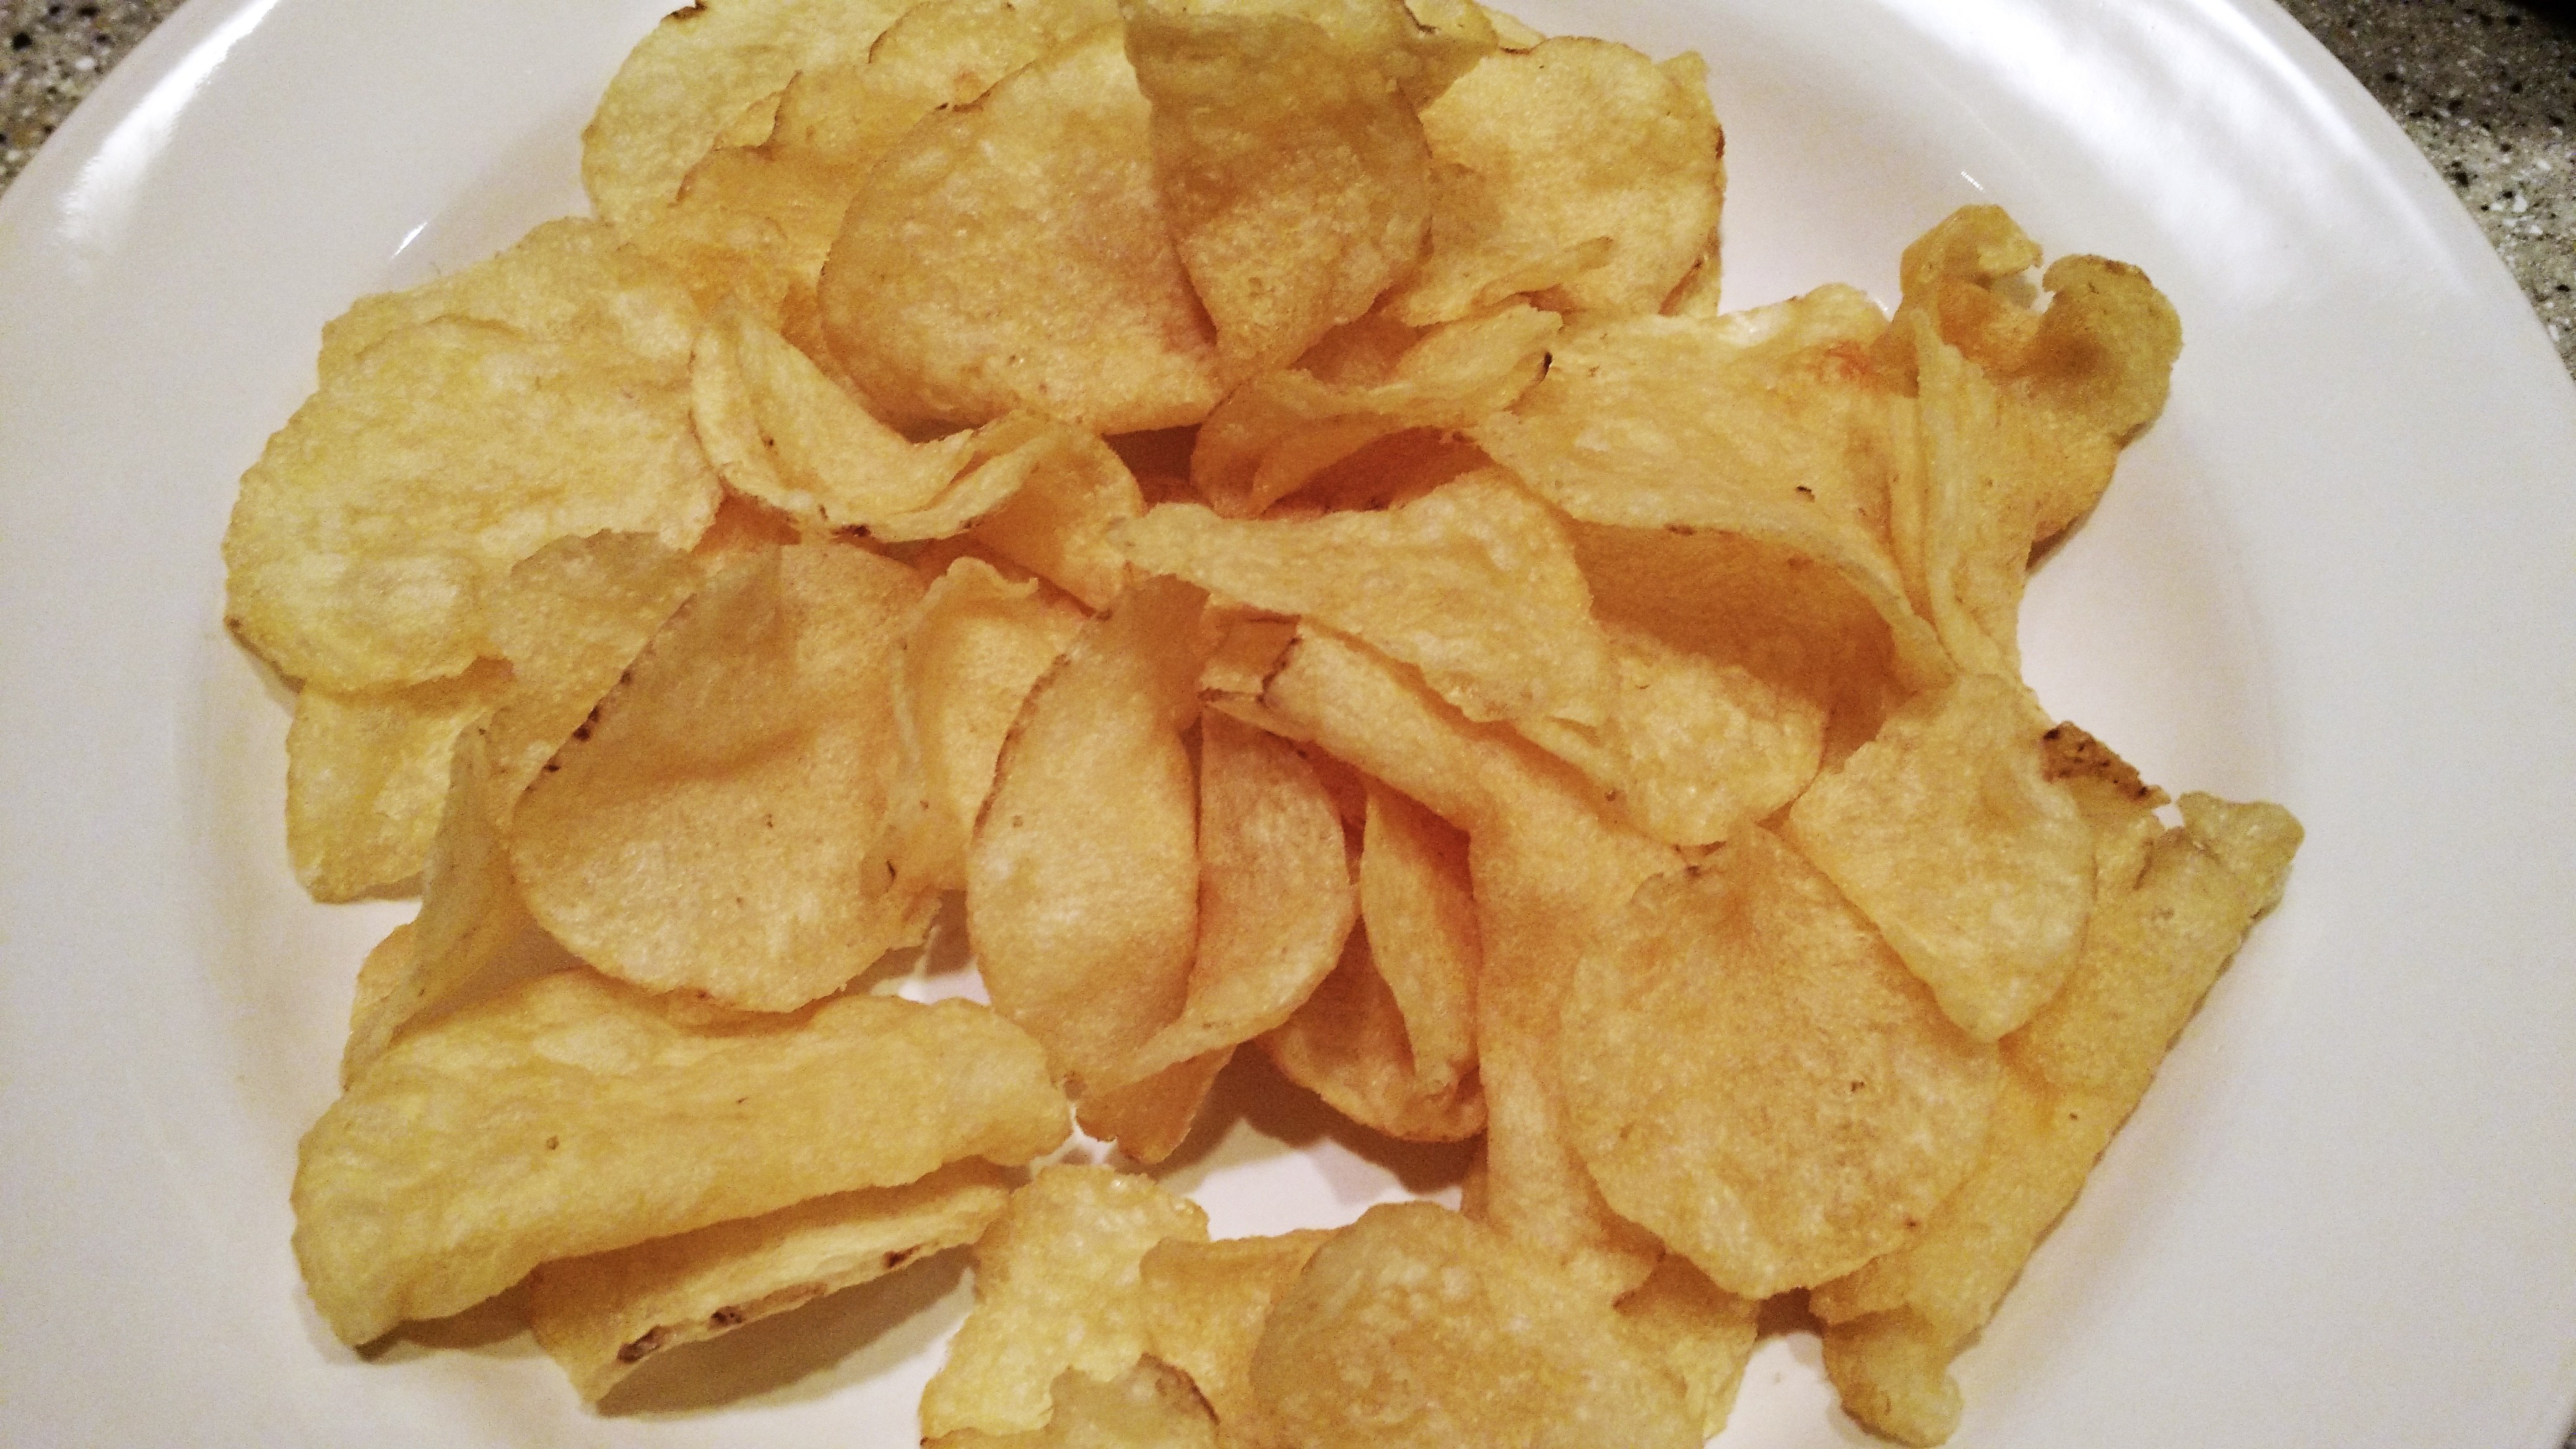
2340,572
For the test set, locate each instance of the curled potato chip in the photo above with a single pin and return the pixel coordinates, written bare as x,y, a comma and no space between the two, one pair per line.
1275,897
1390,1037
365,774
1893,1375
1415,1326
1056,1289
470,909
1814,1103
1473,583
1291,167
1068,492
1551,865
1577,170
573,1115
1948,835
975,647
602,1316
712,827
1082,881
1014,254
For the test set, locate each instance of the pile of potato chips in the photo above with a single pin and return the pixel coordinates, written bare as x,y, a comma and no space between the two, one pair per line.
1259,500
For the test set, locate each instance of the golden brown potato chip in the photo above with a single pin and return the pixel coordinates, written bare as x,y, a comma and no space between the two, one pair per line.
600,1316
2039,1149
1415,1326
1705,1332
697,73
1947,834
573,1115
1691,748
1274,433
367,536
1551,865
711,827
1579,171
1763,606
1082,882
1474,584
470,909
1014,254
783,431
1068,491
569,618
1056,1288
1205,1303
1390,1037
975,647
2155,946
1292,169
1275,897
1813,1104
1893,1374
365,774
1150,1406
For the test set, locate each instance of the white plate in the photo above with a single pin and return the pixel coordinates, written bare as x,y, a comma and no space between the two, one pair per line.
2340,572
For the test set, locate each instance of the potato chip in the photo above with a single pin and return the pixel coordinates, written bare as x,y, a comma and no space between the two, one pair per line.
1275,897
1893,1376
603,1315
2040,1147
1150,1406
1082,881
1278,430
711,827
1946,833
569,618
1069,491
1813,1106
2154,948
697,72
1205,1304
975,647
1015,254
366,537
365,774
783,431
1292,169
1390,1037
1056,1288
1474,584
470,909
1764,606
573,1115
1705,1332
1691,748
1416,1326
1550,866
1578,171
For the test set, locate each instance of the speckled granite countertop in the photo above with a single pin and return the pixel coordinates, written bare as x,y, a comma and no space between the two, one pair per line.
2487,88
